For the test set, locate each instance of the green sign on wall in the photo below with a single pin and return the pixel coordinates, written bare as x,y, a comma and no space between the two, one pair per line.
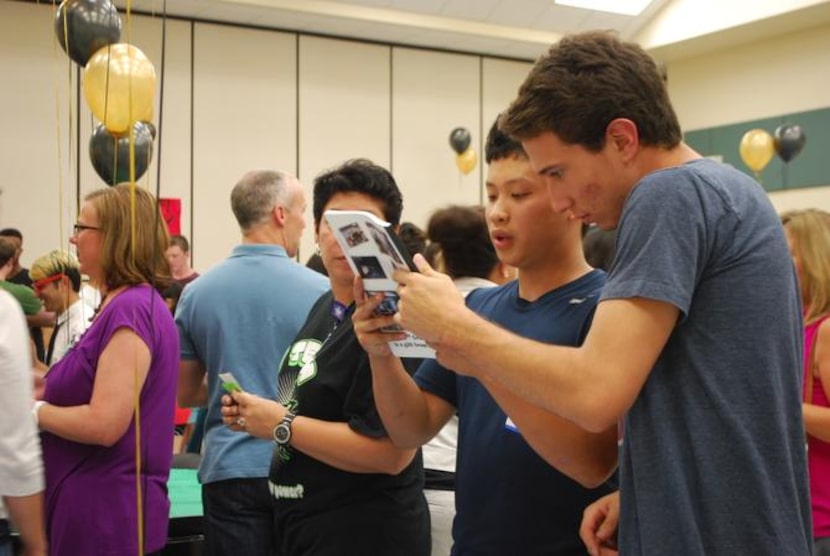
811,168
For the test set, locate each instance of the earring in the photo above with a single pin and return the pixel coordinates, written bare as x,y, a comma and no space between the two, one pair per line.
317,249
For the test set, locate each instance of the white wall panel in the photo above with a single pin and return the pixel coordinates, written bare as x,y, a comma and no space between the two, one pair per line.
759,80
432,93
173,129
344,109
500,83
244,118
37,193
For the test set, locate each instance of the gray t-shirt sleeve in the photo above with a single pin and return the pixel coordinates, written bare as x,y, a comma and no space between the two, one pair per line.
661,246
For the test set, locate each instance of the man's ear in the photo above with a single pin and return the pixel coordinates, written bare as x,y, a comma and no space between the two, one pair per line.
622,136
280,214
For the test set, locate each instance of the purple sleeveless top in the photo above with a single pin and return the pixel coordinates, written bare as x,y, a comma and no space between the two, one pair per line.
818,451
90,496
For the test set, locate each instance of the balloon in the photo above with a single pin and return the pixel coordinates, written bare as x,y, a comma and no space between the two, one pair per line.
110,154
90,25
460,140
466,161
152,129
789,140
757,149
119,82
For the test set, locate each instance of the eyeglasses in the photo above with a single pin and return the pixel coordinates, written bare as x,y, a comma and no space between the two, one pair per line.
38,285
78,228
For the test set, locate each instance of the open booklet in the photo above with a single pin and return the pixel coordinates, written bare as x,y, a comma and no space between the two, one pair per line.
374,251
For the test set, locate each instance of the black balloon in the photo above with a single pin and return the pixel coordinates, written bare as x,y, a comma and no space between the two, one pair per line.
789,141
460,140
152,129
85,26
110,155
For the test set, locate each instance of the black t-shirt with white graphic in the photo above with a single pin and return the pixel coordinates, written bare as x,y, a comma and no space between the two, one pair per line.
322,510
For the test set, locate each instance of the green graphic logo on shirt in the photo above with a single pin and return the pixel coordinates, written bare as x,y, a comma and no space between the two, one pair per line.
303,354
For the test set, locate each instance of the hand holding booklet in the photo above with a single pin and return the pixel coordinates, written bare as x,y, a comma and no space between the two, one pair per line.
374,252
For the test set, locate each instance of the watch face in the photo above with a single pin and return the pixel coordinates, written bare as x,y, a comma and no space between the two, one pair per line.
282,434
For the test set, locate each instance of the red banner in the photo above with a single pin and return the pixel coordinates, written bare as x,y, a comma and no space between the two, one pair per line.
171,211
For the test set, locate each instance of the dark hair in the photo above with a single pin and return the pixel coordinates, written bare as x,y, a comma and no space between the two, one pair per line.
171,295
462,234
599,246
583,83
432,253
181,242
360,176
315,262
413,237
11,232
500,145
7,250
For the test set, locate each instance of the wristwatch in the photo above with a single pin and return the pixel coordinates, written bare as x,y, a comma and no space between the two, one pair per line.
282,432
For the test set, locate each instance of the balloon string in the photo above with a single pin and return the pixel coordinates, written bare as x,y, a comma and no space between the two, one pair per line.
56,56
159,134
133,227
137,405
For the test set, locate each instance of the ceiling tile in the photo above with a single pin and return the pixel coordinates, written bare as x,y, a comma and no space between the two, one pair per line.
518,13
473,11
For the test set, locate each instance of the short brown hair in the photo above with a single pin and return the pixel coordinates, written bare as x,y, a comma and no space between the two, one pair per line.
462,235
181,242
583,83
135,236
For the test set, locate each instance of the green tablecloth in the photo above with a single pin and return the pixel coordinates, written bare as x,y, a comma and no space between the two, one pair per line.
185,493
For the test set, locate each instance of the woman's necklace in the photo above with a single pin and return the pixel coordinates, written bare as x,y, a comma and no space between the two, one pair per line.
108,295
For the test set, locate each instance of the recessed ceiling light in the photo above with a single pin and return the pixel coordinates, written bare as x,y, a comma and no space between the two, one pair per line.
624,7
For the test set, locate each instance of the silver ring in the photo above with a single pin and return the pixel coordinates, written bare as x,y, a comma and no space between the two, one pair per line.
240,421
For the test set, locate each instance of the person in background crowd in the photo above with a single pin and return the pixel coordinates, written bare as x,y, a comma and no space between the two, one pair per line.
21,467
20,275
57,282
25,296
239,317
808,235
128,357
340,485
178,258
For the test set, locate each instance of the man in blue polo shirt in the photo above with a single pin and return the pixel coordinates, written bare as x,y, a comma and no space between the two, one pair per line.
239,317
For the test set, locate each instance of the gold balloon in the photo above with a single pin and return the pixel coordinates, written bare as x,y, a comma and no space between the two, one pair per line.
466,161
757,149
119,83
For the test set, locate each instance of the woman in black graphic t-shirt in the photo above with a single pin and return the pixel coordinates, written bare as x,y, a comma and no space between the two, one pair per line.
340,485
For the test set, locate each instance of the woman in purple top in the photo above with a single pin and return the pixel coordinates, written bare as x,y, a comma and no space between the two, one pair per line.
89,413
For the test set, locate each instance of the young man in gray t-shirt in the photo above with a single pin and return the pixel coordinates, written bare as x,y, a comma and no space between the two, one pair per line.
696,343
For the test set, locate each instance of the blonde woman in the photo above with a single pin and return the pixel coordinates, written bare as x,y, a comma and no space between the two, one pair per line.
128,354
808,235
